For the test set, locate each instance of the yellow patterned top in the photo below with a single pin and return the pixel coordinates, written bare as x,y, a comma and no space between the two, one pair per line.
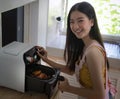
84,74
85,79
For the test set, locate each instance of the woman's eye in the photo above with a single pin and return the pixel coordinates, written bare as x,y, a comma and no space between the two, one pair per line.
80,20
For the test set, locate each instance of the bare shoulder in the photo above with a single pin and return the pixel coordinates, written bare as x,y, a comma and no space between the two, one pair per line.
94,51
94,57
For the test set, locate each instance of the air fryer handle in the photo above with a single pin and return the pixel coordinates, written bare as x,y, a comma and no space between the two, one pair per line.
32,53
61,78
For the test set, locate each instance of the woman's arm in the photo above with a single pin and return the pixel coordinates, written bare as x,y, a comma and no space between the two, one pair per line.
96,62
84,92
43,54
63,68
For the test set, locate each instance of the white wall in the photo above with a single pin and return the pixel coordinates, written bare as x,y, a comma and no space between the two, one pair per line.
43,22
31,22
36,15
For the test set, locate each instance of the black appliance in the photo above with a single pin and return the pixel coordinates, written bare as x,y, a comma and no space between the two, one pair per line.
34,83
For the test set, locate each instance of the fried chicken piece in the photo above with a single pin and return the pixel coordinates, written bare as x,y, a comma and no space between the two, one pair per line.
37,72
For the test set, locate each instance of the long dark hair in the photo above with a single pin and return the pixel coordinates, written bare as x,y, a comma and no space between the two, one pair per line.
74,46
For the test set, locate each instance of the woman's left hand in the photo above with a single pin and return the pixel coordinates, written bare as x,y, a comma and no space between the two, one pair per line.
63,85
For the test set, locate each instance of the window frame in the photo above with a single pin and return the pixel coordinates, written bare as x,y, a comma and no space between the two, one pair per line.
111,38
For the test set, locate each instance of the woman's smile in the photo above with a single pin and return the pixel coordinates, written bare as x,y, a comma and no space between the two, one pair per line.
78,33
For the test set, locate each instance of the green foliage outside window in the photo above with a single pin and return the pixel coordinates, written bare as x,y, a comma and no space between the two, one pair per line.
108,14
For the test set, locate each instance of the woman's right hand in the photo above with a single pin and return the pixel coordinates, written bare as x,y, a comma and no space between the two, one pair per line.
42,53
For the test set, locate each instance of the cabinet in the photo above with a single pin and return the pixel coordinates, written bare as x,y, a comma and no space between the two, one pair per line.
12,25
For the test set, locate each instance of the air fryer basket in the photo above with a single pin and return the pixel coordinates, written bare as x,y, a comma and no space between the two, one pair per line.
33,83
41,85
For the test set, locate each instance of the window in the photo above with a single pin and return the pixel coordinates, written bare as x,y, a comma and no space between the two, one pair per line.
56,9
108,16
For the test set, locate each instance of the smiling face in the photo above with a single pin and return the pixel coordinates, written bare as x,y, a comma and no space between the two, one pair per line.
80,24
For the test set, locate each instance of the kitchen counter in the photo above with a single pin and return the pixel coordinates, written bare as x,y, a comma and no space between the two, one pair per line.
7,93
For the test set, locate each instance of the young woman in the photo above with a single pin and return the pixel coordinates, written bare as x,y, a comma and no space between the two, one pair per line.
84,54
